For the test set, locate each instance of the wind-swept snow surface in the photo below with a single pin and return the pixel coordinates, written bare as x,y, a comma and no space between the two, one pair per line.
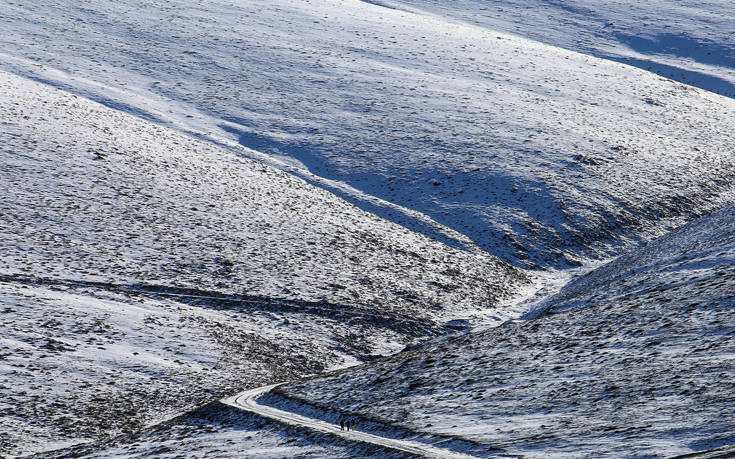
539,155
640,362
145,271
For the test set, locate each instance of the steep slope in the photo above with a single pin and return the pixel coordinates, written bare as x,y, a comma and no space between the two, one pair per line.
688,41
143,272
638,363
539,155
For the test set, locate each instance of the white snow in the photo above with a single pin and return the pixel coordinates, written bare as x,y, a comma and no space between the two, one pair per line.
248,401
268,272
688,41
96,195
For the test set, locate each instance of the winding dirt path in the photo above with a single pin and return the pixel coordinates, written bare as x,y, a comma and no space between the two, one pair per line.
248,401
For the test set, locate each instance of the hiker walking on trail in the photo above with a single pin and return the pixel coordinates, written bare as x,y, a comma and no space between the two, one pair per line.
353,421
342,424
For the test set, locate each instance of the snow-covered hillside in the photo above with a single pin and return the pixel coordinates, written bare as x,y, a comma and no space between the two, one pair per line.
639,363
144,271
686,40
539,155
690,260
95,195
216,431
198,197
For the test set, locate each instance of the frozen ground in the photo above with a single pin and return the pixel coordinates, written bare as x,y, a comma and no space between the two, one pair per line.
635,359
249,401
539,155
94,195
143,273
77,364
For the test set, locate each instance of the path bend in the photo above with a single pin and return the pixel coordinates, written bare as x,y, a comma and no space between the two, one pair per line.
248,401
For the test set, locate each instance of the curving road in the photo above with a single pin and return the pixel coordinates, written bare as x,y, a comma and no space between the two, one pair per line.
248,401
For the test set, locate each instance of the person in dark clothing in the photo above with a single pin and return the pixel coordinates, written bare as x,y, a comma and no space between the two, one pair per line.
341,424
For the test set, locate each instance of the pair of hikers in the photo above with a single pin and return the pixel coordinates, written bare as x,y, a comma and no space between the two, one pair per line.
347,424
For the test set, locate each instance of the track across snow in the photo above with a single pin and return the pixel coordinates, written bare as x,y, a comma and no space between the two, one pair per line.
248,401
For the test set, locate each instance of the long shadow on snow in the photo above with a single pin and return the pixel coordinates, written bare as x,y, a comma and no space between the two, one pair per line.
211,299
689,77
683,46
95,97
525,252
313,161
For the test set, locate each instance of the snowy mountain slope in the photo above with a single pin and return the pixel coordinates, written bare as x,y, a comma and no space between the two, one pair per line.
536,154
688,41
95,195
639,362
686,260
143,272
539,155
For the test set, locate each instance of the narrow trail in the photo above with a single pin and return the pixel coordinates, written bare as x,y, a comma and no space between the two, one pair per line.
546,284
248,401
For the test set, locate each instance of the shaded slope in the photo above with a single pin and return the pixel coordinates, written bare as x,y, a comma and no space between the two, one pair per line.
248,401
219,431
539,155
694,260
644,367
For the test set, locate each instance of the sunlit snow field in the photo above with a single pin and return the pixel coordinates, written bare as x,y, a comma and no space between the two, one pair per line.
269,277
686,40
